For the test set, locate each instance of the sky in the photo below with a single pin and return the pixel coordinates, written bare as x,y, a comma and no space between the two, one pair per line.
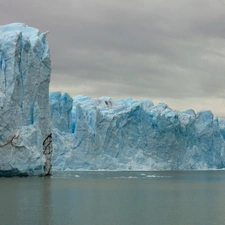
166,51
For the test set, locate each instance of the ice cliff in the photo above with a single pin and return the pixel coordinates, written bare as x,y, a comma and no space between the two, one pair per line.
102,134
25,128
90,134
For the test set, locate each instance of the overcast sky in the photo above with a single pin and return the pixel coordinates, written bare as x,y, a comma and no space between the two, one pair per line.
170,51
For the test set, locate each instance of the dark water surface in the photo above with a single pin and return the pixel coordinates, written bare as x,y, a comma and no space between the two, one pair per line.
115,198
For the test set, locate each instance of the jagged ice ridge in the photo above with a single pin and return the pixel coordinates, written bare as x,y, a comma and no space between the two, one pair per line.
102,134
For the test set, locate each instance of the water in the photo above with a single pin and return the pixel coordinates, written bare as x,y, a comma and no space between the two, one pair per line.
114,198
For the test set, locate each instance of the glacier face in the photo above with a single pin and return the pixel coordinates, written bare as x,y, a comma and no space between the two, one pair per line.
90,134
102,134
25,69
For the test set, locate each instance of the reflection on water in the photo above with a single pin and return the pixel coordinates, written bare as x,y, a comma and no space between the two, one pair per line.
115,198
25,201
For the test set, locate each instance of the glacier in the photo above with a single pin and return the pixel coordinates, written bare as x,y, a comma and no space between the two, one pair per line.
25,124
102,134
42,132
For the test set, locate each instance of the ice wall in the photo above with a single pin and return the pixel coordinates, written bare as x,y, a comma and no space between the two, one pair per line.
61,106
25,128
135,135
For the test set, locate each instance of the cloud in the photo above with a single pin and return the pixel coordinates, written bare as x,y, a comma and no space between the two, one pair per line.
140,48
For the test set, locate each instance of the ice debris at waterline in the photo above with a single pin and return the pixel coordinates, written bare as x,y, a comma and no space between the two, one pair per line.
25,126
102,134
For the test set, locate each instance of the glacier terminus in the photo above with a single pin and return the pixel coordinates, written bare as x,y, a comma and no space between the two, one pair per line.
102,134
41,132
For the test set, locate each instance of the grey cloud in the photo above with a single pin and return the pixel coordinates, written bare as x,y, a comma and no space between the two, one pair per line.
139,48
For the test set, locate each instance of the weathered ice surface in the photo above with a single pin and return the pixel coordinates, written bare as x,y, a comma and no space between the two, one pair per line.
25,128
132,135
